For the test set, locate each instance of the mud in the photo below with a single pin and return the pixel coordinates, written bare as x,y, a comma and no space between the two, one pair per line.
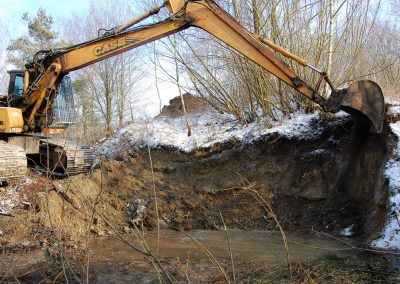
325,182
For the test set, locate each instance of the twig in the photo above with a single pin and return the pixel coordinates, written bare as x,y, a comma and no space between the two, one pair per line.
229,246
179,88
251,189
155,199
212,258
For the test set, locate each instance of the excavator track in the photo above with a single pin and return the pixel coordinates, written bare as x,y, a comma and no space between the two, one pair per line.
62,158
13,162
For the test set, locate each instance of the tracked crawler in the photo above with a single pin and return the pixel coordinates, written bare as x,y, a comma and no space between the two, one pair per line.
13,162
47,152
33,92
61,157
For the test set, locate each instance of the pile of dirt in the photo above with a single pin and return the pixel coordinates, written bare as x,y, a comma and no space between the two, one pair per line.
192,104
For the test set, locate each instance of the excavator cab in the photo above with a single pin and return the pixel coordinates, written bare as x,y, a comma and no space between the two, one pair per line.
16,84
63,112
63,107
15,88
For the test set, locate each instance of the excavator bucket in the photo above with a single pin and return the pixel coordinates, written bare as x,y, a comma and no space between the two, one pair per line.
365,97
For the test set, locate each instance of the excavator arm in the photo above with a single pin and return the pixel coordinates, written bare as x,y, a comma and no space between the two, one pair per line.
363,97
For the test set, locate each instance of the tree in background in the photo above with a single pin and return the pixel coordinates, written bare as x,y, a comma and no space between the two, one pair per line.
40,36
110,85
350,39
3,65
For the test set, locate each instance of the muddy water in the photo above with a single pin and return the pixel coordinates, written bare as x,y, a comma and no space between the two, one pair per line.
245,245
113,261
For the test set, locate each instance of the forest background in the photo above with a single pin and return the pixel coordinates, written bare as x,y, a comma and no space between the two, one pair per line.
349,39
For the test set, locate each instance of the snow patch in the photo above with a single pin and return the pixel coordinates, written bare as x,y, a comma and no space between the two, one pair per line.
27,181
136,210
393,102
208,129
342,114
318,152
9,198
393,110
390,238
347,232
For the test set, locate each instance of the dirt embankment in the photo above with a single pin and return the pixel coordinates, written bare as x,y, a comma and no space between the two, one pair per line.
324,182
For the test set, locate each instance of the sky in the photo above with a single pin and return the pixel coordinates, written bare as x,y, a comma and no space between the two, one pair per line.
11,11
14,8
10,19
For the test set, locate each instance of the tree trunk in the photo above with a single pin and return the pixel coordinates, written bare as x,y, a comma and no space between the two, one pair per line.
108,95
330,44
121,94
256,17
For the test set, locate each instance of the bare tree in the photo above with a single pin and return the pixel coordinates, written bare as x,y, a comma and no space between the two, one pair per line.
3,64
112,83
333,35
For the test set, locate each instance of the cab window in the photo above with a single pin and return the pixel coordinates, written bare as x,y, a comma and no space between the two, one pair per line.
19,85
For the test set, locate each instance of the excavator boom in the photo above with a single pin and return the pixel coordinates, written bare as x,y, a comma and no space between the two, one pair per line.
207,15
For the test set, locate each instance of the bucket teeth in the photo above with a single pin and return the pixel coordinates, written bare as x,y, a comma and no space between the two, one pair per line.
13,162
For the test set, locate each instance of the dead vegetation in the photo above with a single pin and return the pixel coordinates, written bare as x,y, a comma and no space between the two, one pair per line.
62,253
49,234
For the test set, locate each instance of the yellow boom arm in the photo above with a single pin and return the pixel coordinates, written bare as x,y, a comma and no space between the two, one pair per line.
204,14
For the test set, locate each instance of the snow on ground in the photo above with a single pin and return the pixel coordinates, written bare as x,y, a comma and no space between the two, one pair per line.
390,238
393,110
207,129
348,232
10,197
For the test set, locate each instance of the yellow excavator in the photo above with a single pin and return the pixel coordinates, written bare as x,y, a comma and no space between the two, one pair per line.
28,114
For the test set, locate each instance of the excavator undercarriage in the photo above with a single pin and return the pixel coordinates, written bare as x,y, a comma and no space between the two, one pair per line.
46,151
56,157
13,162
62,158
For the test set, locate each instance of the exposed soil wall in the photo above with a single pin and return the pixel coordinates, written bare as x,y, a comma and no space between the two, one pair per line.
325,182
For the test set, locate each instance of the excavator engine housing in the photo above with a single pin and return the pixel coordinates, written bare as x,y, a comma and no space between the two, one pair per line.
11,120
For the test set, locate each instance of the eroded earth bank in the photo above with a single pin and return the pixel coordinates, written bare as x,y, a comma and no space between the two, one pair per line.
329,181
